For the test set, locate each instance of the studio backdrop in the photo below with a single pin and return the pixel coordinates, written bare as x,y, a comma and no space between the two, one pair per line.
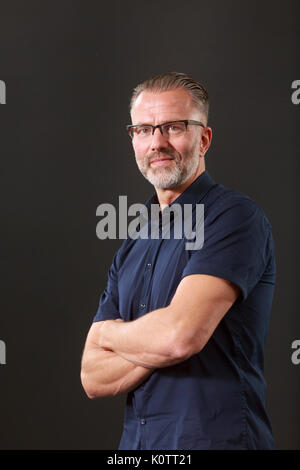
67,70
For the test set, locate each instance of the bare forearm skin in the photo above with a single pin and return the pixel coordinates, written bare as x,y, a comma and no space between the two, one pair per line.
172,334
150,341
104,373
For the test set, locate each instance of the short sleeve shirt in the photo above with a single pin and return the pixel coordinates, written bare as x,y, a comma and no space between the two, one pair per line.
216,398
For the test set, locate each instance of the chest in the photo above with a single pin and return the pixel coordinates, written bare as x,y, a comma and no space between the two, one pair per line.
149,275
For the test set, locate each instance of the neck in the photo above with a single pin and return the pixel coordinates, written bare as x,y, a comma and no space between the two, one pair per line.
167,196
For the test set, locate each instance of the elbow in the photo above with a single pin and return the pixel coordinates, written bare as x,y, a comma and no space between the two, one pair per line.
90,395
181,352
92,391
185,346
177,350
182,341
97,390
87,387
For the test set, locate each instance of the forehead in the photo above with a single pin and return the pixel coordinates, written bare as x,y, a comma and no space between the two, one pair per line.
163,106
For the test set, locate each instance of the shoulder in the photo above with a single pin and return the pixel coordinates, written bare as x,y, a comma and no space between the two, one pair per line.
226,203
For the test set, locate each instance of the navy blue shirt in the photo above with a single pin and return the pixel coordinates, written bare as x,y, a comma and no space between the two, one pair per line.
216,398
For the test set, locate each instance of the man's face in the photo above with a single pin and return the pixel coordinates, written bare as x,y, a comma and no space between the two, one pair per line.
167,162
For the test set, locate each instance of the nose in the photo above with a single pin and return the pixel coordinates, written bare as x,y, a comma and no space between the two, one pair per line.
158,141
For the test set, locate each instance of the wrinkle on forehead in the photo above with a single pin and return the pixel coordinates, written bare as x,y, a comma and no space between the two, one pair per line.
157,107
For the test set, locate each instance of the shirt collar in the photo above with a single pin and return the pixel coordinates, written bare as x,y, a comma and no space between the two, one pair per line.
193,193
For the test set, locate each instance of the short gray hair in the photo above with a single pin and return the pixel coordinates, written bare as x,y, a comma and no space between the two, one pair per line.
171,81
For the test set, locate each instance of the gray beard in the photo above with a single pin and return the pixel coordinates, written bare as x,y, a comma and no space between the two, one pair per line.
165,178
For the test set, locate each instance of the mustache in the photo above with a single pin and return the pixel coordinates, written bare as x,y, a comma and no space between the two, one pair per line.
154,155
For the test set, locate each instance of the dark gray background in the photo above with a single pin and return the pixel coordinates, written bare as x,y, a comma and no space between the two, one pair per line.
69,68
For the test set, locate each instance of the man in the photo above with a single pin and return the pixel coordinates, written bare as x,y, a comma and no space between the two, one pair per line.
182,331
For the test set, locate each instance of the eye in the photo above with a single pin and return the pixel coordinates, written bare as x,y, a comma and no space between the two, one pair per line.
171,127
175,128
143,130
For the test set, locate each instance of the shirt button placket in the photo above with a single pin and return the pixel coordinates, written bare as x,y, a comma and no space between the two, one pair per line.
148,267
143,433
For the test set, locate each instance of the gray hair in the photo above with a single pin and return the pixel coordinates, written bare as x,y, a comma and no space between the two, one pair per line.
171,81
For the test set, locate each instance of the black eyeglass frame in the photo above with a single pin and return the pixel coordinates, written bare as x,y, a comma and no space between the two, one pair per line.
130,127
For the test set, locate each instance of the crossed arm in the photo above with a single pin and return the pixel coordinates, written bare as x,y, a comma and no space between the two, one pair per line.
119,356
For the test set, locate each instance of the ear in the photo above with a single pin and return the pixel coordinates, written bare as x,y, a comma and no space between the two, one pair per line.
206,137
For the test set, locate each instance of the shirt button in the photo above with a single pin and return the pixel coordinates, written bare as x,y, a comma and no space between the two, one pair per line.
149,265
142,305
143,421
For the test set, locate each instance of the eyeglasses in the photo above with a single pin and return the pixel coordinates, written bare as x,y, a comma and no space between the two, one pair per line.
167,129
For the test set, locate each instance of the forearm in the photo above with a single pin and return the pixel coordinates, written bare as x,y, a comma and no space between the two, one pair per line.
150,341
172,334
104,373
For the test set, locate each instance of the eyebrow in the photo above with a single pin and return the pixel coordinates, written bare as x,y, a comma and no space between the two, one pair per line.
161,124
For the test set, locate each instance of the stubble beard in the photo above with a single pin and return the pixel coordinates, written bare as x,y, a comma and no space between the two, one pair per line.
180,170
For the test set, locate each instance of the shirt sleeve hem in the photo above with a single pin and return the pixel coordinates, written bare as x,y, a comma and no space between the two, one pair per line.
102,316
211,271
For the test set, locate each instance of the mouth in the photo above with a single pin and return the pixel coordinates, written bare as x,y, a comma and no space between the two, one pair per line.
161,161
